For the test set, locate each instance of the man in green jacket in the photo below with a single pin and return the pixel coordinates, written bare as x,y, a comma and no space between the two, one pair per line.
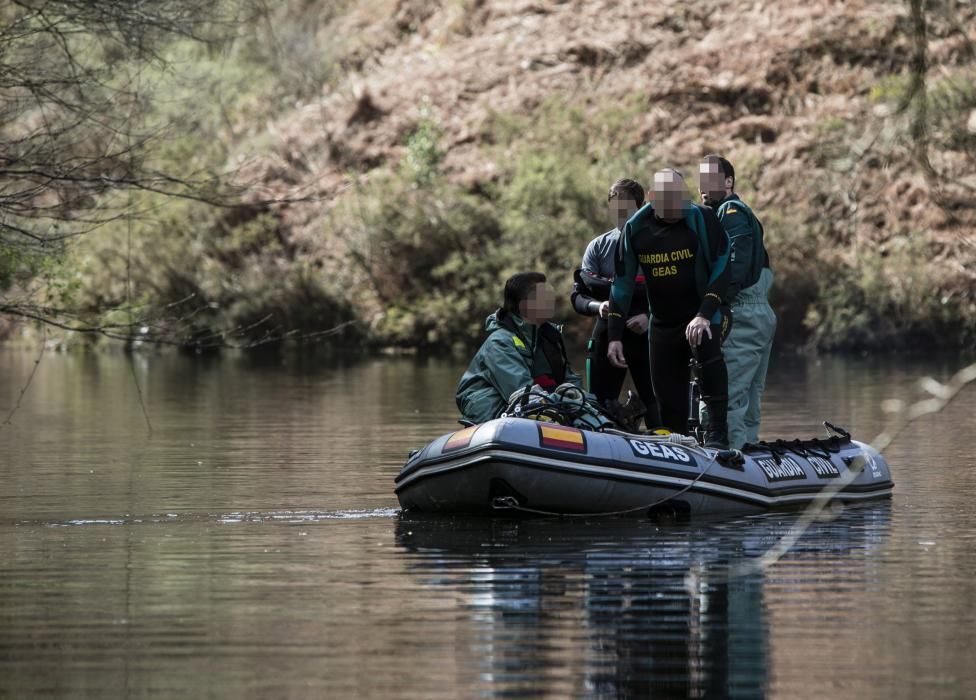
522,349
749,344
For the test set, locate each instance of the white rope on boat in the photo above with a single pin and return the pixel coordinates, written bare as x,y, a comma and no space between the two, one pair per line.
673,438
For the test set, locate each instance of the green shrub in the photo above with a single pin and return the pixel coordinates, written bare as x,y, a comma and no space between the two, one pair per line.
428,258
798,264
424,153
892,299
551,207
200,274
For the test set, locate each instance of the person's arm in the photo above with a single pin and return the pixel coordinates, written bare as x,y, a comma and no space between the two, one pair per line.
622,289
599,286
589,288
585,299
743,234
716,291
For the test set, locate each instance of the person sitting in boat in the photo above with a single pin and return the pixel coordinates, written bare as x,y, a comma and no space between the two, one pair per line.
683,252
591,297
750,341
522,348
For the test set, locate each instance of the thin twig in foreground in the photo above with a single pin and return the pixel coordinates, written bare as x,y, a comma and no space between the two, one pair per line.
30,379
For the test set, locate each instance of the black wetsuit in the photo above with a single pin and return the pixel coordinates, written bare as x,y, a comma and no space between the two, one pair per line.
686,273
591,285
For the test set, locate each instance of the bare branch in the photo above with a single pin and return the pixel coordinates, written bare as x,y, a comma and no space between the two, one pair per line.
903,416
30,378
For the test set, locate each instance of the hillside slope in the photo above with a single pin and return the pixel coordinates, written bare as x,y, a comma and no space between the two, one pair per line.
462,140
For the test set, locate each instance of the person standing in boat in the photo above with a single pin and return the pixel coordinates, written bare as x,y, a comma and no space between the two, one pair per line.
750,341
591,297
683,252
522,348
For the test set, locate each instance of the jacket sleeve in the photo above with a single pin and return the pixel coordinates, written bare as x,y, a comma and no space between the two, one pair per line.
622,290
507,369
589,288
719,251
583,296
738,224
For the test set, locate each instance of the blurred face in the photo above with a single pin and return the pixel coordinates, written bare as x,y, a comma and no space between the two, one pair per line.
669,196
621,209
712,183
539,306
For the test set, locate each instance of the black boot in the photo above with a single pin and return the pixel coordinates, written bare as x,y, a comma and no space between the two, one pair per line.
717,432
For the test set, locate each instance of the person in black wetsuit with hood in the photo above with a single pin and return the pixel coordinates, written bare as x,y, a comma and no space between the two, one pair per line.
683,252
591,297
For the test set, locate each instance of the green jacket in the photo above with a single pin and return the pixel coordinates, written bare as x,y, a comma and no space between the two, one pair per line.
515,354
749,255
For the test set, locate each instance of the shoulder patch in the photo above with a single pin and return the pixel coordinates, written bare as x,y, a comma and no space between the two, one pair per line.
518,342
731,210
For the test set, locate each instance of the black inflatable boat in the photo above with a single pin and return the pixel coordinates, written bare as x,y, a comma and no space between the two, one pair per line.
517,464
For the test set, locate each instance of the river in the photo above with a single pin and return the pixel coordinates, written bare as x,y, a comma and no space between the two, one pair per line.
250,545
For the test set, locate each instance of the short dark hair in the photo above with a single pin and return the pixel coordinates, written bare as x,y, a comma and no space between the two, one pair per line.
518,287
724,165
630,188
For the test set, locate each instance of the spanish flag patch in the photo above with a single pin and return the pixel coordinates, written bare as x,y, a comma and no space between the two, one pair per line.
731,210
561,438
459,440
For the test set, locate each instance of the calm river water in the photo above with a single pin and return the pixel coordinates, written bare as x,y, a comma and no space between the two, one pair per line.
251,547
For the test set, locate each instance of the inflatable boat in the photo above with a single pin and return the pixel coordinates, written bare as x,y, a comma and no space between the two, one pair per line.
523,465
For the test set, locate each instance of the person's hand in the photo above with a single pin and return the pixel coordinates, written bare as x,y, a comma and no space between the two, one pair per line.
697,329
637,324
615,353
604,310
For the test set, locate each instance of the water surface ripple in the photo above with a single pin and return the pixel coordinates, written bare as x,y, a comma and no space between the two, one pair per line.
252,547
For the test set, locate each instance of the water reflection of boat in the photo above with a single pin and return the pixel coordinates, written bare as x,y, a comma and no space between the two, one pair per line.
618,608
524,464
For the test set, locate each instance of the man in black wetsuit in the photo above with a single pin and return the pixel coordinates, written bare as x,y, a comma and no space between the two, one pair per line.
591,297
683,252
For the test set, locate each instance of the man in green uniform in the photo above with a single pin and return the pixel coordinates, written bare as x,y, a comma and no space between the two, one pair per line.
748,346
523,348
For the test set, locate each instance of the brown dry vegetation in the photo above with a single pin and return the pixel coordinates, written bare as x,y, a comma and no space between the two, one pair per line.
867,198
789,91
